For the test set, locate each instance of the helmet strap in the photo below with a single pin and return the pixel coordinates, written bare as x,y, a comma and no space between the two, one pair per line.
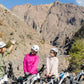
32,54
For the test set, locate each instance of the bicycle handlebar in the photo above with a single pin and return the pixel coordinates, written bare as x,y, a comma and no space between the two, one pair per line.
42,69
20,79
82,66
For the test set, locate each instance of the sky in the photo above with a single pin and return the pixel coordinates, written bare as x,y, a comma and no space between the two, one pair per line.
10,3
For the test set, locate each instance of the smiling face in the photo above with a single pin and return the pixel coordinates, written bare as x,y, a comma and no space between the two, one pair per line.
33,52
52,53
3,50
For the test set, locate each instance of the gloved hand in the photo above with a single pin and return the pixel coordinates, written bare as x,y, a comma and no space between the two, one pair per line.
26,73
13,42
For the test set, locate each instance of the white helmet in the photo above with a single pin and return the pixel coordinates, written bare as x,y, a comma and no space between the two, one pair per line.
55,49
35,48
2,44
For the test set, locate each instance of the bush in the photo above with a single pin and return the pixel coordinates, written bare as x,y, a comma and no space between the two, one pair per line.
77,54
77,50
8,44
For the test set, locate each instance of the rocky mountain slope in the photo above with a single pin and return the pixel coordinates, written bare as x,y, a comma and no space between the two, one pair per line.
56,23
12,27
32,15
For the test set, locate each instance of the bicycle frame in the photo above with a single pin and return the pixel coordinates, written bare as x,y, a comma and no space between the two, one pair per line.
76,79
78,76
31,79
3,79
65,75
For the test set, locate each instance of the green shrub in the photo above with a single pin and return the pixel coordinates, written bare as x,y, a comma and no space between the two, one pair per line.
77,50
8,44
77,54
16,43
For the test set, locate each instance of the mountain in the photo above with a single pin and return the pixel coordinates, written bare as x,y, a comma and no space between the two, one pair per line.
13,27
56,23
32,15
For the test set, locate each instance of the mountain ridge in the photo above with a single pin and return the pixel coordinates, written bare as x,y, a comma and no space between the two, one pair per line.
55,22
48,26
14,28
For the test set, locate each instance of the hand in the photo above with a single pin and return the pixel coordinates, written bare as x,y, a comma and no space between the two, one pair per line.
13,42
50,75
46,75
26,73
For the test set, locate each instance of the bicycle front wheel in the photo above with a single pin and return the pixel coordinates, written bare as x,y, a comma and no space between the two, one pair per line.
39,82
81,81
66,81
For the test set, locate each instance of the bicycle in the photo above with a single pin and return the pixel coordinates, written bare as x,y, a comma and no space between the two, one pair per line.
53,79
29,79
4,79
77,78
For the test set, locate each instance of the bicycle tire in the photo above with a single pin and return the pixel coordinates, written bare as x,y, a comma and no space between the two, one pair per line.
16,83
81,81
66,81
39,82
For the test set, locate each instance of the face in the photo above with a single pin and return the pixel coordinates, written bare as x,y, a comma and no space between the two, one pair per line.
33,52
0,50
52,54
3,50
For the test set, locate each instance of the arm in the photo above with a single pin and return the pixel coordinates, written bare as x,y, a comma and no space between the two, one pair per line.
24,65
35,65
13,43
47,66
10,48
55,67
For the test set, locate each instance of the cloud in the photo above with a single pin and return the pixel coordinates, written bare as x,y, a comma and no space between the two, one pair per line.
80,2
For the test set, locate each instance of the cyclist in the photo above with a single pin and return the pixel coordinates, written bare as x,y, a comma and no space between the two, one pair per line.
31,61
4,52
52,63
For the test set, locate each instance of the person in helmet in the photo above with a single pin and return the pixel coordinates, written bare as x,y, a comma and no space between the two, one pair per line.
4,52
52,63
31,61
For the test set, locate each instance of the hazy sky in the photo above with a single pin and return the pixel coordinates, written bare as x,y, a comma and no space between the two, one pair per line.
10,3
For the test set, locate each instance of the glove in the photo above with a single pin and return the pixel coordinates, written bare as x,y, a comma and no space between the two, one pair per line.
13,42
26,73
